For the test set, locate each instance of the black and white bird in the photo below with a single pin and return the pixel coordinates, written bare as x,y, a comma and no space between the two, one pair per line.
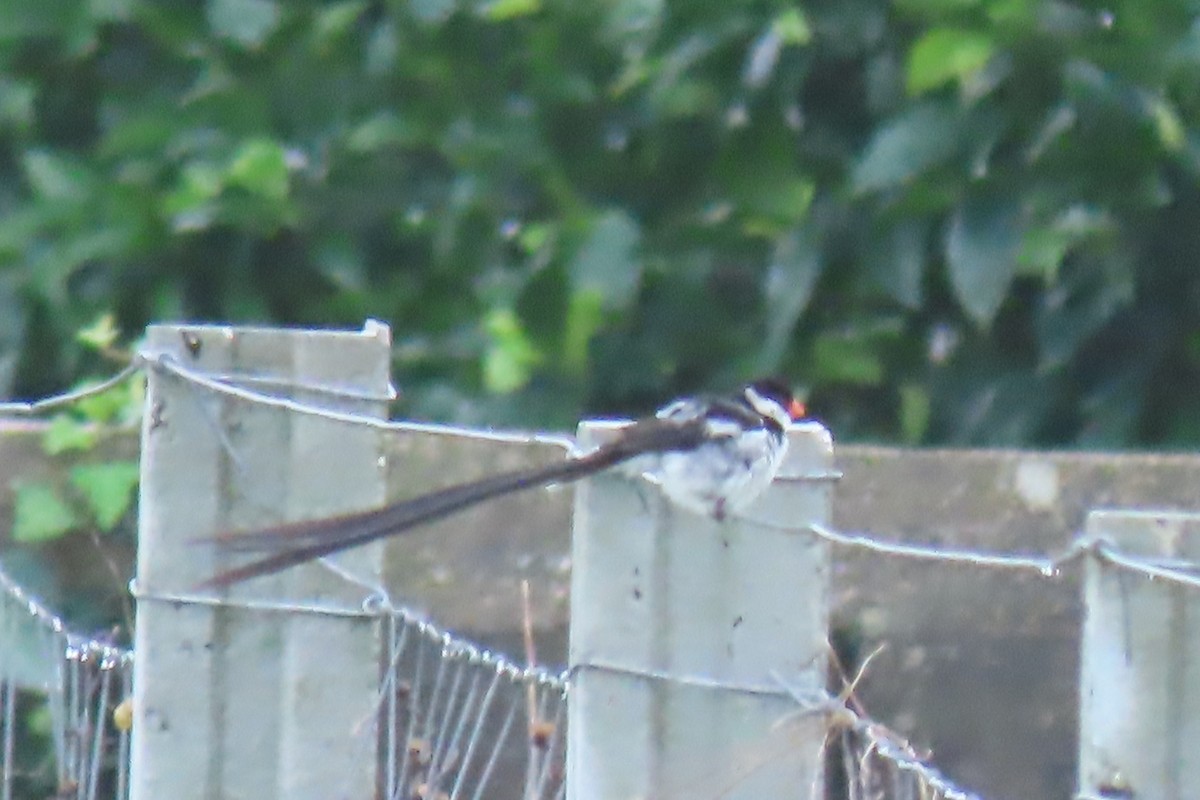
709,455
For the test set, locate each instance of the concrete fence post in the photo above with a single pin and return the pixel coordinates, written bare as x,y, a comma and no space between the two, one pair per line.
269,689
1140,682
684,632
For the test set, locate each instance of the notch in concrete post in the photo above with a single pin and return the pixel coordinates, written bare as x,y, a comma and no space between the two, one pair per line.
1139,709
254,692
682,629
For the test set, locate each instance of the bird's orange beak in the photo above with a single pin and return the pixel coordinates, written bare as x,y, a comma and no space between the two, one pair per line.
796,410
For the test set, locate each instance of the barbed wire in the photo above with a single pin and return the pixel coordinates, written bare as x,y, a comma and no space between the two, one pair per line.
877,738
77,682
1179,571
1182,573
69,398
228,384
376,604
1047,566
169,364
81,646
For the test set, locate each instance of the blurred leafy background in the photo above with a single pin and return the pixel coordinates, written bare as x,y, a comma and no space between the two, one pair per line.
952,221
968,222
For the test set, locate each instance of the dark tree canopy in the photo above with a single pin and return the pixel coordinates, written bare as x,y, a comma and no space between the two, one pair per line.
953,221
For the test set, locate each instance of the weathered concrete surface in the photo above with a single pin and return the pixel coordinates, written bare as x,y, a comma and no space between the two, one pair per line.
466,571
980,666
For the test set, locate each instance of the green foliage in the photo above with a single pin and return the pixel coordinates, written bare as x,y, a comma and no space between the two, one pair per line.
963,221
65,433
941,55
982,242
510,358
103,491
107,489
39,514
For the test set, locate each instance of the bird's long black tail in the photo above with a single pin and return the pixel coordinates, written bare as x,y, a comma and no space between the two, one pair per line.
295,543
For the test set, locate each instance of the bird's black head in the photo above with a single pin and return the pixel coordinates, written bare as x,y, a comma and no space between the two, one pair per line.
777,393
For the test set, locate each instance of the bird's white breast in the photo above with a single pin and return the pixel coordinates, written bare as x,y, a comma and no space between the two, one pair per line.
721,476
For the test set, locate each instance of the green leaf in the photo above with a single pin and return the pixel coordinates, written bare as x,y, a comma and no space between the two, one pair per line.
1171,129
1042,252
111,10
260,167
1044,247
190,204
1016,14
500,10
686,98
607,263
1085,300
982,245
914,412
55,177
39,514
936,8
792,27
19,230
431,12
919,138
896,259
945,54
30,18
58,262
107,406
631,25
383,45
510,357
107,488
779,203
16,103
64,434
762,179
341,262
796,263
337,19
847,359
381,130
536,235
101,334
247,22
585,313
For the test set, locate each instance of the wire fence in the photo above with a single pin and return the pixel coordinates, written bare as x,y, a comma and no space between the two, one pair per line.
459,721
456,720
875,763
62,734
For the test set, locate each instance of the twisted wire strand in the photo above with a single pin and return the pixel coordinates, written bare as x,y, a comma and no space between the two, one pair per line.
78,650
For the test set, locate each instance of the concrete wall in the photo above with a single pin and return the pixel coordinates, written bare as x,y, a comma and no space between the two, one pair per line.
980,667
